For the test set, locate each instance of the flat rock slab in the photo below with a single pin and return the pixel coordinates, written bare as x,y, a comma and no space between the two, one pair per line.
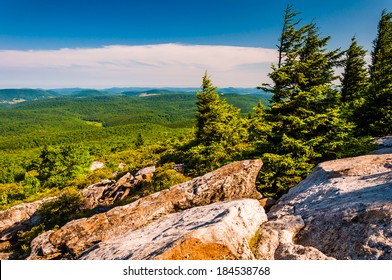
218,231
346,208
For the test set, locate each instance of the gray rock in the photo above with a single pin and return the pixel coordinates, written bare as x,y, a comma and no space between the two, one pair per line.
106,192
384,145
94,195
121,165
47,250
145,171
96,165
19,217
218,231
275,241
179,167
346,206
384,142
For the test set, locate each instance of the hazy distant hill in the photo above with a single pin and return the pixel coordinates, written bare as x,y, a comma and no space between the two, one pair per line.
14,96
240,90
88,93
153,92
146,91
68,91
11,96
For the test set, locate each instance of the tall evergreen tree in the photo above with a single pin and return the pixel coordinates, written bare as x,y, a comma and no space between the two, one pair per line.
354,82
288,36
219,132
377,117
290,41
216,119
307,122
310,111
355,76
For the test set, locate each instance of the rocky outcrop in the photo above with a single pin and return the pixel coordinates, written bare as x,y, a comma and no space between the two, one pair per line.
342,210
233,181
19,217
39,247
24,216
218,231
104,193
107,192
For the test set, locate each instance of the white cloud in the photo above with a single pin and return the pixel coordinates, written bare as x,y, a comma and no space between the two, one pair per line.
148,65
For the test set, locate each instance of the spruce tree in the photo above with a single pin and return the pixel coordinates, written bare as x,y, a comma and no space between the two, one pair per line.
355,80
216,119
290,42
259,127
307,122
219,132
309,113
354,83
289,34
377,116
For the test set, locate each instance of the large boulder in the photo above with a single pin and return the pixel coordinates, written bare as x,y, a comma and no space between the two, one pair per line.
275,241
20,217
342,210
233,181
218,231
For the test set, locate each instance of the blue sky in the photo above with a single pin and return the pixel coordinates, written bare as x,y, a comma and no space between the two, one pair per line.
35,29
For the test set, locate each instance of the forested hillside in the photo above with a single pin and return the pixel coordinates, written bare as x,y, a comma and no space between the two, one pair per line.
111,128
12,96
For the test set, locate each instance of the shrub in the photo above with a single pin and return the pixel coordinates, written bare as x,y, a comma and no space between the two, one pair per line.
164,177
58,212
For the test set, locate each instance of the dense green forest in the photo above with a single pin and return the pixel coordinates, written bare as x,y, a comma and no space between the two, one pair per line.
111,128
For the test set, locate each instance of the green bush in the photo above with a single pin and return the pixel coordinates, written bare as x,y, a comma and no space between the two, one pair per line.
25,238
32,184
10,194
164,177
58,212
281,172
58,165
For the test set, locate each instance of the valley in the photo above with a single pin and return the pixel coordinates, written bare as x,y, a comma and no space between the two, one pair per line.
109,125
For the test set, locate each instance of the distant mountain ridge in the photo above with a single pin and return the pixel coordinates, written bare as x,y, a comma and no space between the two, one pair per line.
13,96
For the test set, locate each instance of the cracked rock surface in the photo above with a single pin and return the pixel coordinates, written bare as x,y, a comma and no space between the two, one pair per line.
342,210
233,181
217,231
